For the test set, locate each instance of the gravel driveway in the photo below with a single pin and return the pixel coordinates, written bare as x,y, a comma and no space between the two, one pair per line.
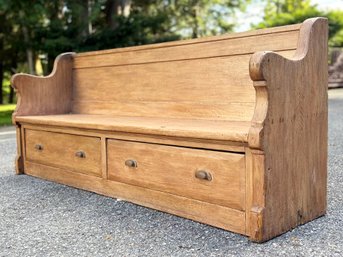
40,218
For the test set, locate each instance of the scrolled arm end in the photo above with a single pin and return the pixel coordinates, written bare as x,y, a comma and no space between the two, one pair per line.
45,95
256,64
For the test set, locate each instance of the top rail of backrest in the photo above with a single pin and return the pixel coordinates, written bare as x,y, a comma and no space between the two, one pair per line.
270,39
206,78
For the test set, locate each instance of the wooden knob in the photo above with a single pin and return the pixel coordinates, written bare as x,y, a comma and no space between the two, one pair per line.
38,147
203,174
80,154
131,163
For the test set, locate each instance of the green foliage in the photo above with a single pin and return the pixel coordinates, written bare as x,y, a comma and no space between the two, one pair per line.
52,27
202,17
335,28
283,12
135,29
278,13
6,114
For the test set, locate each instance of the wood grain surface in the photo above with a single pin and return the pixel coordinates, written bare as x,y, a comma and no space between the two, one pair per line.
172,169
212,214
197,79
290,127
215,130
59,149
45,95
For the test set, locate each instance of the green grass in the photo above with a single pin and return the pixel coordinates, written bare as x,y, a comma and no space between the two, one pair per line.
6,114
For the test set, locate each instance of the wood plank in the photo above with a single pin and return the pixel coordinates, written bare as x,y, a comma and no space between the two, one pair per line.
226,218
60,150
218,88
233,111
197,91
19,159
248,34
215,48
172,169
204,80
249,190
104,157
202,129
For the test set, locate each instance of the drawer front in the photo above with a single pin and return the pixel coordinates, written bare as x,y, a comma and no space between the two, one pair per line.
210,176
73,152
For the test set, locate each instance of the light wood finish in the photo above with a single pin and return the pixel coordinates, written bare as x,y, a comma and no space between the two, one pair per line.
145,82
150,90
103,157
290,127
197,91
216,130
212,214
61,150
229,146
172,170
246,112
45,95
19,160
250,38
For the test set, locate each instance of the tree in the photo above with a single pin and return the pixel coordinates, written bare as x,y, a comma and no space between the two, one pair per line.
283,12
335,28
195,18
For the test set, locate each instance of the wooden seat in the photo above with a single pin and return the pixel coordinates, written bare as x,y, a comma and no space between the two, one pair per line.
236,131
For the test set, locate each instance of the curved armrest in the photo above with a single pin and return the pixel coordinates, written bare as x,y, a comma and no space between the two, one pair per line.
45,95
290,87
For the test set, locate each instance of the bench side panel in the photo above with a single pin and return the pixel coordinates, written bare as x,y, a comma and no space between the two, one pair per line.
289,135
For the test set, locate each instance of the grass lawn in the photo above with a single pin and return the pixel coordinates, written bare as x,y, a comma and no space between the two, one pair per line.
6,114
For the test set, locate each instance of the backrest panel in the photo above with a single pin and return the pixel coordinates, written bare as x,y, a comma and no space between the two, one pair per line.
201,79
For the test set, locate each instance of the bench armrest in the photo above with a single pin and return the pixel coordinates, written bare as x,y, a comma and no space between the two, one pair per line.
288,89
45,95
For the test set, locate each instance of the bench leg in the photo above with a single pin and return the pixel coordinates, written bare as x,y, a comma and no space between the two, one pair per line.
19,161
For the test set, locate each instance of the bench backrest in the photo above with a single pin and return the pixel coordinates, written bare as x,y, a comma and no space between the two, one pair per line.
205,78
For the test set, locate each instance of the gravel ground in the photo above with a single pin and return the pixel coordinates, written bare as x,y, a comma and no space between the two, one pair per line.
40,218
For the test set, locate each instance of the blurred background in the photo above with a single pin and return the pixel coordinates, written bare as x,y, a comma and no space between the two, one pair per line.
34,32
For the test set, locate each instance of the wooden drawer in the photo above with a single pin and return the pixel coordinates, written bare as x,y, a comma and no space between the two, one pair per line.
73,152
174,170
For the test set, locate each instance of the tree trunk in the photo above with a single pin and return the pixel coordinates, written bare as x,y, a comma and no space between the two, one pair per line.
125,6
11,96
89,13
84,18
1,69
115,8
13,71
29,52
111,10
195,28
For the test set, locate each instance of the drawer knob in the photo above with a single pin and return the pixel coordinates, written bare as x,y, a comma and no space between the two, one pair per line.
131,163
203,174
80,154
38,147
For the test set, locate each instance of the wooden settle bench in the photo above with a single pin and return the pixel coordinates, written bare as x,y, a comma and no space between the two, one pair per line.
228,130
